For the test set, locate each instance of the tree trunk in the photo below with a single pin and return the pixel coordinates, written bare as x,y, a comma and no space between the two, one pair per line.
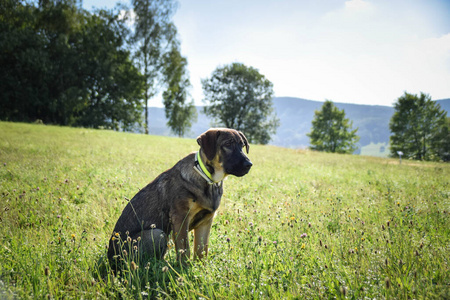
146,85
146,113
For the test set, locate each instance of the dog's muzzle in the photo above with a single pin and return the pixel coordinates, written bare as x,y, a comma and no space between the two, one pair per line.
247,166
241,168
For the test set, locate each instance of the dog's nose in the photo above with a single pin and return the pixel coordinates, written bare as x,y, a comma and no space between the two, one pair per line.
248,164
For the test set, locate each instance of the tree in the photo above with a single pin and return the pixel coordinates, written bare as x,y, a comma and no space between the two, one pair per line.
35,59
331,131
418,128
113,86
239,97
153,32
66,66
180,114
23,62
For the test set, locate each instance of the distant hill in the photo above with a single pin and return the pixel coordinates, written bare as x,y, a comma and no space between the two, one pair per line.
295,116
445,104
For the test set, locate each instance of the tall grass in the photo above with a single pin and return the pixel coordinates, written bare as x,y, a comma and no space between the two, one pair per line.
300,225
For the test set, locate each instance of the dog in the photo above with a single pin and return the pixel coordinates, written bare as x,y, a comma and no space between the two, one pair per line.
181,199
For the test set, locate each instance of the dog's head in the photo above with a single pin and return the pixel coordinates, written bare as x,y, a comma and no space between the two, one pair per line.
223,150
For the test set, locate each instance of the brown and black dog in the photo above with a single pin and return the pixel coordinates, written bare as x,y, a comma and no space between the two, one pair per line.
182,199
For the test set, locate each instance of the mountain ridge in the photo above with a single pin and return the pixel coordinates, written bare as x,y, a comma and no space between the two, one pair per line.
296,115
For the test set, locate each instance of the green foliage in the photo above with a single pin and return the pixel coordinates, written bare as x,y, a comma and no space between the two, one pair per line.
300,225
239,97
419,129
331,131
180,114
63,65
24,62
154,35
114,84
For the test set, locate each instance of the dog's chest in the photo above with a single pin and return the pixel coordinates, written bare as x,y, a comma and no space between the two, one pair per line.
214,193
202,209
210,198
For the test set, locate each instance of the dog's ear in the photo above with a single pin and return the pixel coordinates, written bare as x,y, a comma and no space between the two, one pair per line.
247,146
208,142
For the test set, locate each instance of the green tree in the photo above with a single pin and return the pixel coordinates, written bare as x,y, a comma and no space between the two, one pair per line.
239,97
180,114
64,65
331,131
112,86
28,87
153,33
418,128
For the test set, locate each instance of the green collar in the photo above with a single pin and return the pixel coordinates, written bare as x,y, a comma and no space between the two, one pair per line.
199,166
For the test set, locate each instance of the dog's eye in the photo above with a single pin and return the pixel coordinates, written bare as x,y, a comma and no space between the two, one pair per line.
228,144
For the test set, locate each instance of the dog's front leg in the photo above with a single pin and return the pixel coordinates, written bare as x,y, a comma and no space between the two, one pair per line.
180,237
201,239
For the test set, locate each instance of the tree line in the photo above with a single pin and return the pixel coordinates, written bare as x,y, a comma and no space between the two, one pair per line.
61,64
420,129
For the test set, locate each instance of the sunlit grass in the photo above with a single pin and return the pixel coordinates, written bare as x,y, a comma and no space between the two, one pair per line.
300,225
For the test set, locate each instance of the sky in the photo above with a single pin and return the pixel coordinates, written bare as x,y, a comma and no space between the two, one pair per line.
355,51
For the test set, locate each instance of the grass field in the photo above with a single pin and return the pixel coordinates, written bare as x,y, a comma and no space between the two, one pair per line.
300,225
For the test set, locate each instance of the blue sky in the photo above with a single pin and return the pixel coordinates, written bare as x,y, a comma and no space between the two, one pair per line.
355,51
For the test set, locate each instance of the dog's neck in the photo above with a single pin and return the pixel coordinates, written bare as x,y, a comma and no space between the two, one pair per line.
203,171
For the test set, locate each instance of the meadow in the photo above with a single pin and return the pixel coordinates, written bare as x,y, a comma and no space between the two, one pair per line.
300,225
